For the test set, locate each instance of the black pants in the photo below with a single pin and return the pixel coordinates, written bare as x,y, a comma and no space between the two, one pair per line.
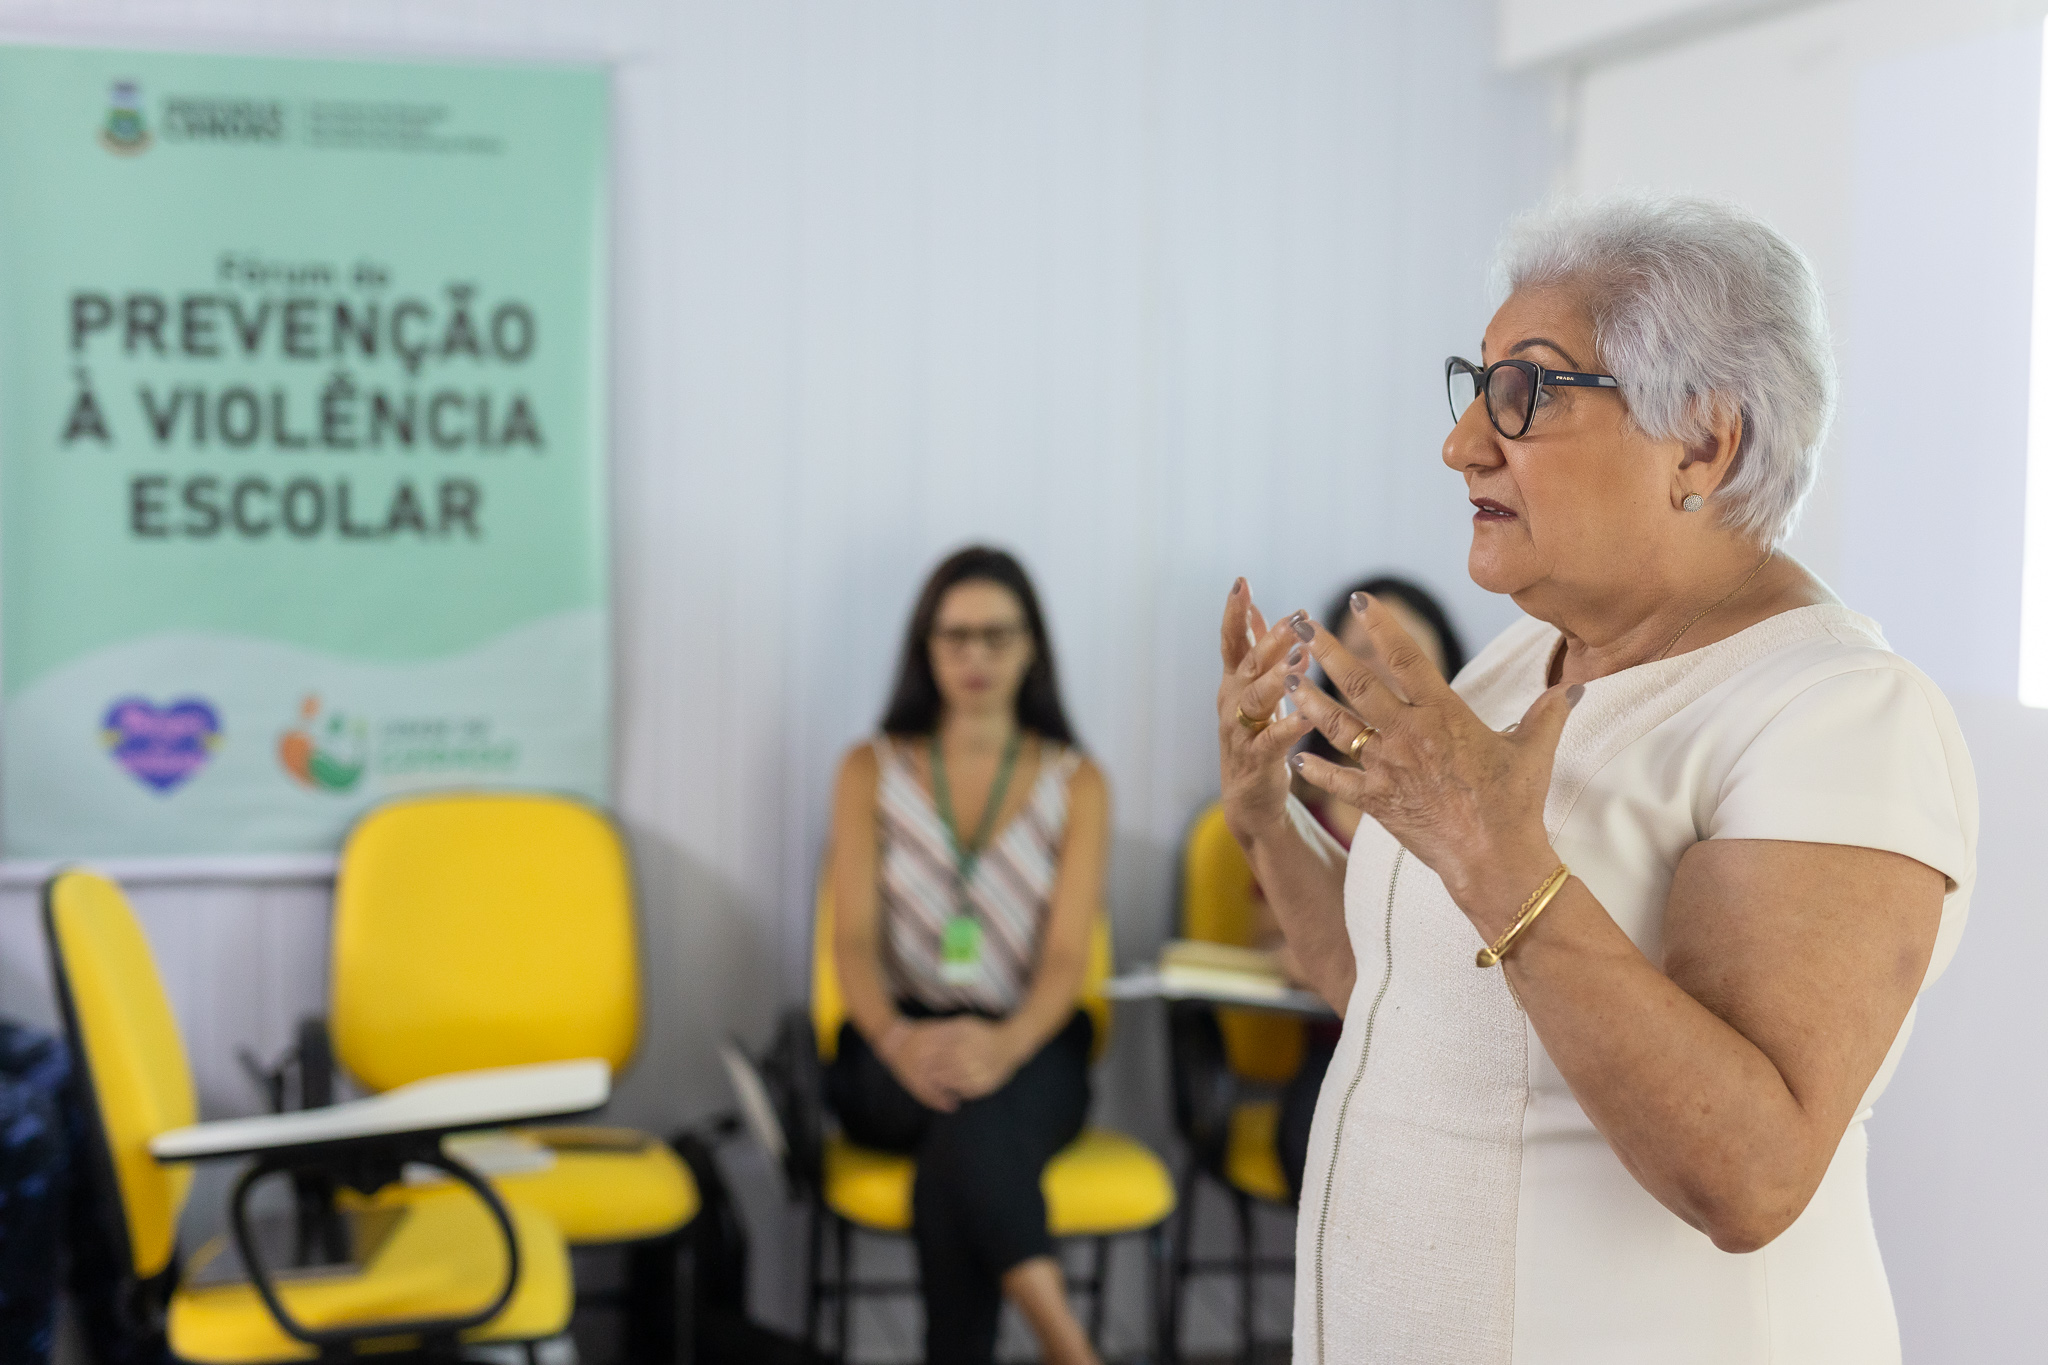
1298,1106
976,1210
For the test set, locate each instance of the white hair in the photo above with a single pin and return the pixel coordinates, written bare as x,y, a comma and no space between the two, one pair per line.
1697,304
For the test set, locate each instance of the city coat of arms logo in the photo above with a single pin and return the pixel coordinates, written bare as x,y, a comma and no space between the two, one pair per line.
324,752
124,132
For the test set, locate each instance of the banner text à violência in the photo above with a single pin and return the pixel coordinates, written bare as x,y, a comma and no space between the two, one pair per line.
389,372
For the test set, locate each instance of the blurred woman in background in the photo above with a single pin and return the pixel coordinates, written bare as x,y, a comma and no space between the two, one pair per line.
969,842
1429,625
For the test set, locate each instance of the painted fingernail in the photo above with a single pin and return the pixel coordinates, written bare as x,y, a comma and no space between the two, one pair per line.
1295,761
1237,587
1361,602
1293,681
1573,693
1303,630
1294,657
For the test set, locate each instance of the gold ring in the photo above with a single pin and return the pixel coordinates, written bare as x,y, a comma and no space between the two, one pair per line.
1255,726
1357,744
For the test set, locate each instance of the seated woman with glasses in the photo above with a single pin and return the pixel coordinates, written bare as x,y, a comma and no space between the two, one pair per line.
1629,939
969,843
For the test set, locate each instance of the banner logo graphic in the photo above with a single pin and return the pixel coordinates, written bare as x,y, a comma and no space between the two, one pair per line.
326,754
125,134
161,747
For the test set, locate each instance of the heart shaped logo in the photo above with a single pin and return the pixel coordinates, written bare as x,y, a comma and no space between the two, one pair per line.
161,746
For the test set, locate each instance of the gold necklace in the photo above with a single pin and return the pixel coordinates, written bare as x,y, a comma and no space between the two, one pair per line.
1722,603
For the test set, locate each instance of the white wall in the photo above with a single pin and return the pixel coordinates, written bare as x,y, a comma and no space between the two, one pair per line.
1155,291
1893,141
1580,33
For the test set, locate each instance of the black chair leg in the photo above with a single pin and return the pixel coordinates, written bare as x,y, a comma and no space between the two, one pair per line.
686,1298
1158,1282
1247,1280
1183,1255
1099,1309
652,1301
843,1344
814,1289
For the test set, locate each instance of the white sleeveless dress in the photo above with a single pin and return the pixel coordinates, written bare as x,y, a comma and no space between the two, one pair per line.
1458,1205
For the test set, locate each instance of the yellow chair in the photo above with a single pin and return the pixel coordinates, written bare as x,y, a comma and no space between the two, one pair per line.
487,928
454,1264
1102,1185
1218,1052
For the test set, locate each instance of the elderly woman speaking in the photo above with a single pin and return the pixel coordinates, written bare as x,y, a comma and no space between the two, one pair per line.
1631,940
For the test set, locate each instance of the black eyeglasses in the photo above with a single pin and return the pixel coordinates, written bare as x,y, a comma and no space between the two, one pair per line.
1511,387
995,639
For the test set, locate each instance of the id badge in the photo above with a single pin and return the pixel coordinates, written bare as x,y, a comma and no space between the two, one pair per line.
960,951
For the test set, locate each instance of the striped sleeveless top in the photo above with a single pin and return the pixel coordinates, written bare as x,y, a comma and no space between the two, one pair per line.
1010,893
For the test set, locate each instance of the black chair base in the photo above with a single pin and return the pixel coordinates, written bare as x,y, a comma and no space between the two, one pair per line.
653,1301
1246,1266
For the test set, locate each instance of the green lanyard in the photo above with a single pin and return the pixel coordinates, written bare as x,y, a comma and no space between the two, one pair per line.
960,944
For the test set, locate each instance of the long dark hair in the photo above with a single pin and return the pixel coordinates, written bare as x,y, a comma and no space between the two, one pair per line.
1417,599
914,703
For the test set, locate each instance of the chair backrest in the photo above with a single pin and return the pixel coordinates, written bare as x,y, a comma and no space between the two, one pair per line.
127,1040
1219,904
481,929
828,1002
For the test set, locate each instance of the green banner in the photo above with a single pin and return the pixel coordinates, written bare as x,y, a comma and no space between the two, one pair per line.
302,437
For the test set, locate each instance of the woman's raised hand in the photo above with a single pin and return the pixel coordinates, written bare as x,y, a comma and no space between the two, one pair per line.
1465,799
1256,662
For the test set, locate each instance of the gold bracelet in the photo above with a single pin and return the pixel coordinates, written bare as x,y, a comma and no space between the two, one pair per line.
1531,908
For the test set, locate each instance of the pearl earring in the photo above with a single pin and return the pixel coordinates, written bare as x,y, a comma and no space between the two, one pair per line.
1692,502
